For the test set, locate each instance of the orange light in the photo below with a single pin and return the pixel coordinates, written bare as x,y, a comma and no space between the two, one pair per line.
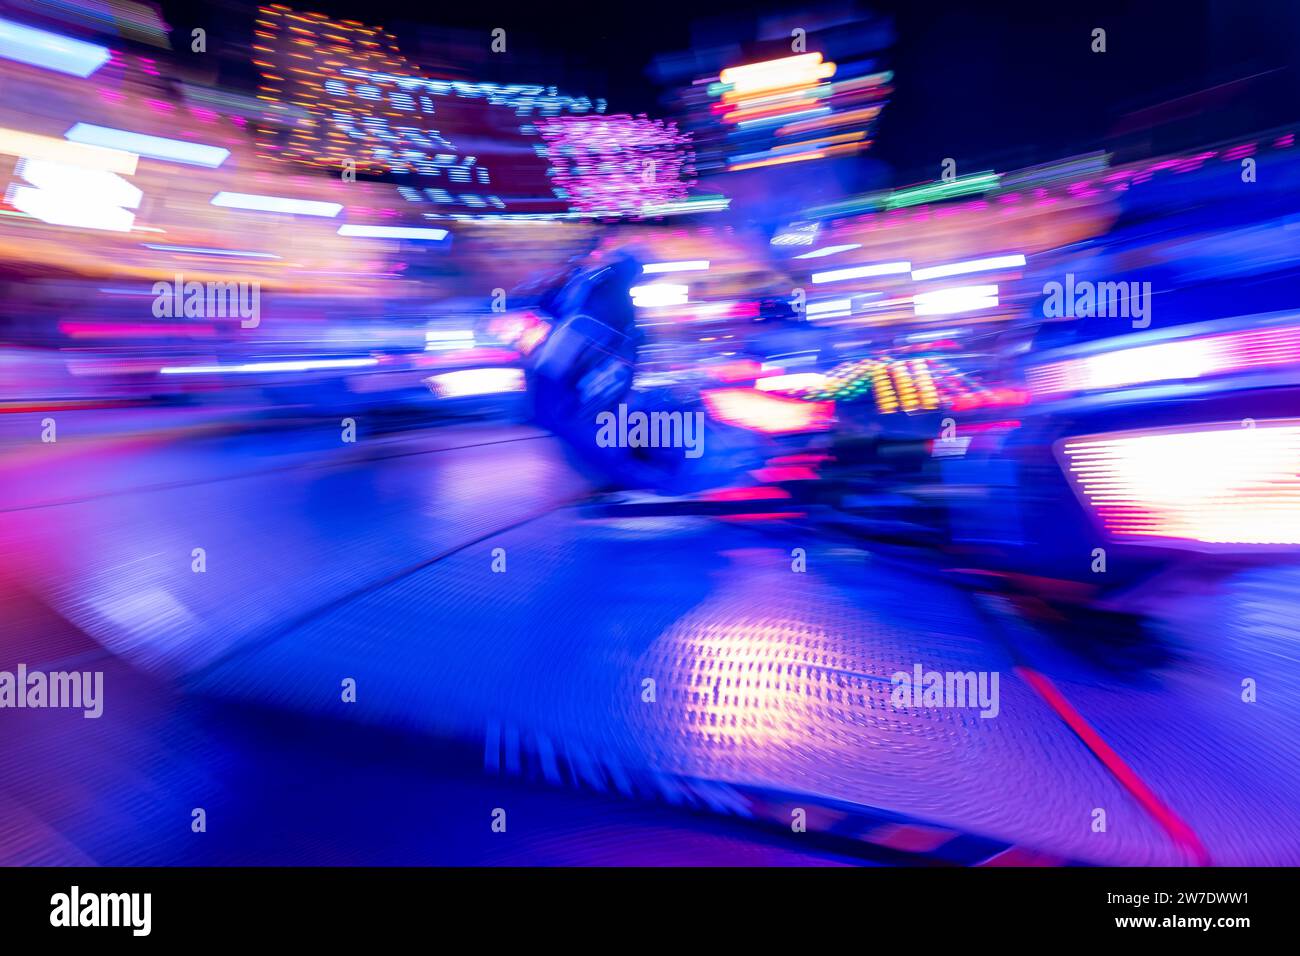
805,68
759,411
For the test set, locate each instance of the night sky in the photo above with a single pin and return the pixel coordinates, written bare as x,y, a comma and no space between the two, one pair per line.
992,85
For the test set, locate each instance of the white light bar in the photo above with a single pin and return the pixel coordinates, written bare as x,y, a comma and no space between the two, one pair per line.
392,232
304,365
64,195
649,296
967,298
689,265
50,51
829,250
155,147
91,186
793,382
862,272
828,306
297,207
989,264
57,210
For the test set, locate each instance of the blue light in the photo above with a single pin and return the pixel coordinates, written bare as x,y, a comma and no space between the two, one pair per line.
155,147
49,50
204,251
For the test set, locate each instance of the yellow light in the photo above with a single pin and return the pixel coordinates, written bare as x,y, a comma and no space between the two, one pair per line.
773,74
925,383
775,161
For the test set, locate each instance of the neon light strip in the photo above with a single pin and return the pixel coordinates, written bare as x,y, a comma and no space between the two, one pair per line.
155,147
465,382
392,232
49,50
688,265
862,272
202,251
1170,361
829,250
950,301
305,365
989,264
298,207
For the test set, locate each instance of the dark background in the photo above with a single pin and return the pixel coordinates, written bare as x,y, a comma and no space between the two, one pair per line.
994,85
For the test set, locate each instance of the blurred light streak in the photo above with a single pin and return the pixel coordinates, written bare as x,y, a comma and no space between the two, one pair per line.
393,232
741,370
1167,361
692,204
777,119
988,264
688,265
795,381
155,147
208,251
791,71
829,250
297,207
950,301
702,311
649,296
989,398
797,234
816,122
440,340
123,18
123,330
830,307
1214,484
617,164
862,272
933,192
775,161
465,382
50,50
300,365
33,146
64,195
758,411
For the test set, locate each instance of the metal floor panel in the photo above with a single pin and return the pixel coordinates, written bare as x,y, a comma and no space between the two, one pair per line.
1229,768
375,562
764,676
279,540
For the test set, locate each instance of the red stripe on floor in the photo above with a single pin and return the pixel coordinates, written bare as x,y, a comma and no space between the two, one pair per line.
1173,824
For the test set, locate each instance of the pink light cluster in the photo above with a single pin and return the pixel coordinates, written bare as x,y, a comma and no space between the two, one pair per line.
617,164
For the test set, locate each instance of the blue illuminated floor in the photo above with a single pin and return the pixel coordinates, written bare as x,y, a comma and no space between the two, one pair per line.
525,689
